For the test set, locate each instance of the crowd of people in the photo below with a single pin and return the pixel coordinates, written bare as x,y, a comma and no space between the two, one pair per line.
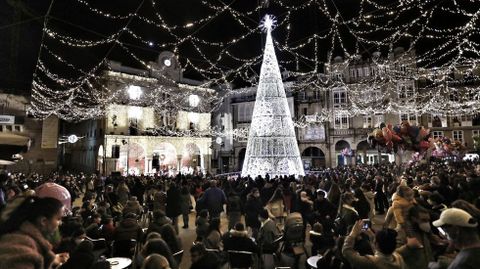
363,216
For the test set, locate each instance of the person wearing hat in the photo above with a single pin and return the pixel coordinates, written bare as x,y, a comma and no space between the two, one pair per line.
461,230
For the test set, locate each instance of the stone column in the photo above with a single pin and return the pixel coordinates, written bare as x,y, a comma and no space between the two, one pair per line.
179,163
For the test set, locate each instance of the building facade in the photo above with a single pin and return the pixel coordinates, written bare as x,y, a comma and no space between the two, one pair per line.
156,121
32,141
332,129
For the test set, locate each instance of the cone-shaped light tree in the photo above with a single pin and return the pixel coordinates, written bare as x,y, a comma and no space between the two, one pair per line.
271,147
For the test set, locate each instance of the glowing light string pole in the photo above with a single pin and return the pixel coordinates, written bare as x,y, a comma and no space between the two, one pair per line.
271,146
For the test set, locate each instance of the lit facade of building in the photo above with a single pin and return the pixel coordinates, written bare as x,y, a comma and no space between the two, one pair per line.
157,122
321,142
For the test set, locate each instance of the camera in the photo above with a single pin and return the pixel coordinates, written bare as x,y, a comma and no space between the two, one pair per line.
367,224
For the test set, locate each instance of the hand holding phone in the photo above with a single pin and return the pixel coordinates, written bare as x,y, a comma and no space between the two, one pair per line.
367,224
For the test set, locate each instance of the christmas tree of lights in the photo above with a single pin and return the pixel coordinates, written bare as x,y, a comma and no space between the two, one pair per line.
271,147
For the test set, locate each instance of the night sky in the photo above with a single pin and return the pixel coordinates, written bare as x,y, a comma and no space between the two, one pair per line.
21,23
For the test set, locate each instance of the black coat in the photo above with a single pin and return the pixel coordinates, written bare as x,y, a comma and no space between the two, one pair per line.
253,207
174,208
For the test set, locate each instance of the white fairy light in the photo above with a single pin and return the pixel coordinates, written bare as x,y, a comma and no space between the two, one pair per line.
271,146
268,23
134,92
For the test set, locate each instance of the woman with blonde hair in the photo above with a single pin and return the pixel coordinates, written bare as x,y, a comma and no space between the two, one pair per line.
276,207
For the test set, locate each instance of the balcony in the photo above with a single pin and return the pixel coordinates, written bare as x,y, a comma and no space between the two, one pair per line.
343,132
351,132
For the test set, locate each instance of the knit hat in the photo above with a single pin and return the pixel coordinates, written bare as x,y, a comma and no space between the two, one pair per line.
455,217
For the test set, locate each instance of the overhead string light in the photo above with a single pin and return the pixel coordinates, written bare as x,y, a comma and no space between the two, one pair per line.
444,57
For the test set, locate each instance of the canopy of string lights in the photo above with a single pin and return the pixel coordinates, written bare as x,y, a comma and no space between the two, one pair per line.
221,44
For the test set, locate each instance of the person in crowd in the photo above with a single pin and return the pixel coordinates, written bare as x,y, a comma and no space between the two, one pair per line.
320,242
324,211
418,252
173,204
128,229
213,240
93,230
461,229
108,228
334,194
305,208
267,234
155,261
385,257
159,199
81,257
202,225
436,201
469,208
159,246
185,205
159,221
347,215
402,200
123,192
361,204
26,225
253,207
239,240
133,206
381,202
213,199
370,197
276,207
203,259
266,192
234,208
68,244
170,237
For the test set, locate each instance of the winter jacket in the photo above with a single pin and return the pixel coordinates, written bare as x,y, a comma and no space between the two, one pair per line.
253,207
157,225
160,201
377,261
267,234
133,206
239,240
185,203
213,199
173,208
202,227
417,258
25,249
128,229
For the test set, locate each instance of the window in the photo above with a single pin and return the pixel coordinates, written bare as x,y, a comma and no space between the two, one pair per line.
339,98
475,133
17,128
367,122
454,96
410,117
366,71
458,136
437,134
406,91
341,122
436,121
